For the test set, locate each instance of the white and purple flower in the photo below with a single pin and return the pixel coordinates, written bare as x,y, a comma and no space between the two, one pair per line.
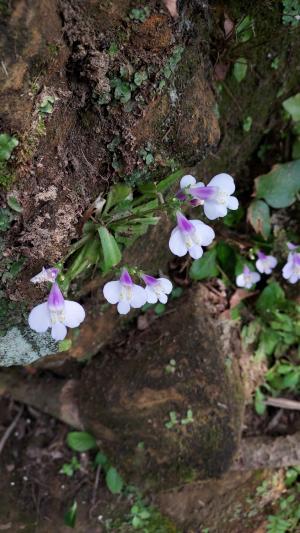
291,270
125,293
157,289
265,263
189,236
47,274
57,314
248,278
216,196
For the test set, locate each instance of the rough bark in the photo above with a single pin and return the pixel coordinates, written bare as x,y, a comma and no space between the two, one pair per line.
61,49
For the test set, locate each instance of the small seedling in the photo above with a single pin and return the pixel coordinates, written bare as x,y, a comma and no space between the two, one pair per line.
173,420
171,367
189,418
69,469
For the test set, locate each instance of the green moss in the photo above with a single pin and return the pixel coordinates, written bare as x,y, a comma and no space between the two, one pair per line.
7,177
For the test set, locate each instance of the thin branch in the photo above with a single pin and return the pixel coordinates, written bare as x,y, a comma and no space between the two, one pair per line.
10,428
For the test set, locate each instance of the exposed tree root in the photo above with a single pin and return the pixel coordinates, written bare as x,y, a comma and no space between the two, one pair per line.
58,398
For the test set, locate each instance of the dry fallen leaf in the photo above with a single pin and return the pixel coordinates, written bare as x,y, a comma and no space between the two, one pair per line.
239,295
228,26
171,6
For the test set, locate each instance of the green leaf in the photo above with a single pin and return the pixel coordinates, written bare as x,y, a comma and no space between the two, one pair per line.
259,217
245,29
240,69
292,106
169,180
159,309
114,481
64,345
7,144
234,217
111,251
6,217
247,124
117,194
81,441
47,105
71,515
271,299
87,256
140,77
226,257
102,460
280,186
205,267
14,204
259,403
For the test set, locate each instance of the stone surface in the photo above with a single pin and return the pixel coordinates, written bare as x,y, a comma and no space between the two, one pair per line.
126,401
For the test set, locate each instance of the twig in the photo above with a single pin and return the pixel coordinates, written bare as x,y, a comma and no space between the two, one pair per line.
10,428
283,403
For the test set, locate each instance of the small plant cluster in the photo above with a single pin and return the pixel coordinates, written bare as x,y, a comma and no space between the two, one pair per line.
120,217
7,144
287,517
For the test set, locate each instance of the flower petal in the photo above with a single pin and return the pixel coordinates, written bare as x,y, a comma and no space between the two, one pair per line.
176,243
151,296
58,331
187,181
287,270
139,296
232,203
224,181
272,261
294,278
213,210
123,308
240,280
205,232
255,277
74,314
111,291
196,251
163,298
260,265
39,318
166,285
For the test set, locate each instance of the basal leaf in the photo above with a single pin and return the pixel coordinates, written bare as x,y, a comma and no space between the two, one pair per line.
205,267
114,481
280,186
240,69
292,106
111,252
81,441
259,217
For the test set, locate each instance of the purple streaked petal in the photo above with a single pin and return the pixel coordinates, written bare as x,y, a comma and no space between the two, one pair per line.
58,331
296,259
125,278
195,202
177,244
74,314
187,181
55,299
292,246
39,318
246,270
111,291
149,280
183,223
203,193
261,255
224,182
181,196
139,296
